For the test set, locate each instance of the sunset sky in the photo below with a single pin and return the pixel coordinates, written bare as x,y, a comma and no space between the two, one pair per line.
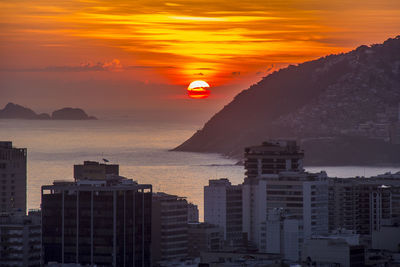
143,54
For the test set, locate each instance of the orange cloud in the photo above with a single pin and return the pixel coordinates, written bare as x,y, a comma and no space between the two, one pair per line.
180,39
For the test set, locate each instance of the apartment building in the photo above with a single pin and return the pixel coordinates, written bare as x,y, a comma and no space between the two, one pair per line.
12,178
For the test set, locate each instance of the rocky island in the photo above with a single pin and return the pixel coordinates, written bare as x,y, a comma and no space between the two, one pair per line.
344,109
71,114
15,111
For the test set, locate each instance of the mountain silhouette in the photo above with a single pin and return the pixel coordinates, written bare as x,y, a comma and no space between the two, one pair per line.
340,107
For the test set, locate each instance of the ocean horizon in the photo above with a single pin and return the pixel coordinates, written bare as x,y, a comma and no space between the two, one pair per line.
140,147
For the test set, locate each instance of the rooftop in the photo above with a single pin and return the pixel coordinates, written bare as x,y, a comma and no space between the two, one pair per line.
275,146
95,163
5,144
221,182
112,182
165,196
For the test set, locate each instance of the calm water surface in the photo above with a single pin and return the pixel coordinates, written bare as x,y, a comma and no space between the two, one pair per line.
139,147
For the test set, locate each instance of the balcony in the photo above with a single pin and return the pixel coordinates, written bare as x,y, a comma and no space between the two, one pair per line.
15,240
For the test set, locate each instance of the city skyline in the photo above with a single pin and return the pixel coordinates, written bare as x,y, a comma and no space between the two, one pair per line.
280,212
200,133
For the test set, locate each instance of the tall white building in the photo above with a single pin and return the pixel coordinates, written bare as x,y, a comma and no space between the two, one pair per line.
303,195
283,235
223,207
12,178
254,210
276,180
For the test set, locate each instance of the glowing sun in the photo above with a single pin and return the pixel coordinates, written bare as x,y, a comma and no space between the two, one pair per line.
198,89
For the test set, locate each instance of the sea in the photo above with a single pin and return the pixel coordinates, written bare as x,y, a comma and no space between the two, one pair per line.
140,147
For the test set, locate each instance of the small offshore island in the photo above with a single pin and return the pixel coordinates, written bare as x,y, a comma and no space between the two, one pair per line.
15,111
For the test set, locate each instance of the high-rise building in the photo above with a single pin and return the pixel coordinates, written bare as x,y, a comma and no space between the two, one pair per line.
364,204
282,235
12,178
223,207
92,170
193,213
20,239
276,180
169,227
303,195
97,222
272,157
204,237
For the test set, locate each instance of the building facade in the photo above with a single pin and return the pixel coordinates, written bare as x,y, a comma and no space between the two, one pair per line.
276,180
321,251
169,227
387,238
273,157
92,170
193,213
12,178
303,195
364,204
204,237
283,234
20,239
223,207
102,222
